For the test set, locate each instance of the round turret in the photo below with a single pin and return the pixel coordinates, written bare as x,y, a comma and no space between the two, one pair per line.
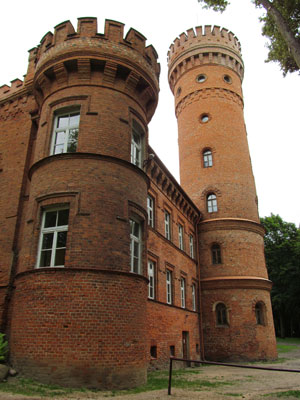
81,284
205,76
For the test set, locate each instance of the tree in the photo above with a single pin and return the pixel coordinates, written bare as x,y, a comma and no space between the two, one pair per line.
282,250
280,24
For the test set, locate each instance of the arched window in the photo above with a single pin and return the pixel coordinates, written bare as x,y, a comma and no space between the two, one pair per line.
216,254
212,203
260,313
207,159
221,314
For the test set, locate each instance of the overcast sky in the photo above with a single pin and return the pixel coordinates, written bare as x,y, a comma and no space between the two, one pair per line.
271,101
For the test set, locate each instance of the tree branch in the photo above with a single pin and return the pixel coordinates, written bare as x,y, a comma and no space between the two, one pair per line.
283,28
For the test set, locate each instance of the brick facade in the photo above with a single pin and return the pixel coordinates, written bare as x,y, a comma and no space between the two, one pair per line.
106,261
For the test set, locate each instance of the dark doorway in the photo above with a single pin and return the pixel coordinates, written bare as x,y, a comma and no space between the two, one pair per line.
186,347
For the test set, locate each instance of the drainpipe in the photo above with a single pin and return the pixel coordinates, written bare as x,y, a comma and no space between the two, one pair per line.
200,319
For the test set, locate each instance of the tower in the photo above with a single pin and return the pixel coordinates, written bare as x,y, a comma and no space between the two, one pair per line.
79,298
205,76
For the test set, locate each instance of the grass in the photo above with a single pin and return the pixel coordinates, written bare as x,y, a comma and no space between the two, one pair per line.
158,380
290,393
29,387
295,341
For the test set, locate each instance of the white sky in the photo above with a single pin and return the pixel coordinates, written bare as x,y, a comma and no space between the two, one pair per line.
271,101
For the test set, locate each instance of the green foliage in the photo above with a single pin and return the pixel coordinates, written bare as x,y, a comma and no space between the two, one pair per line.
216,5
3,347
279,50
282,249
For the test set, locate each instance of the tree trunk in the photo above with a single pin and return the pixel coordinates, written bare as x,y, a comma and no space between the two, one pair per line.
291,41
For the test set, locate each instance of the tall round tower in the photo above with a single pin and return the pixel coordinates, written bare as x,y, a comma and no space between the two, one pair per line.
205,76
79,305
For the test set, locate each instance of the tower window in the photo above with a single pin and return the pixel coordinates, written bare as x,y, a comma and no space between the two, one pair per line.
260,313
201,78
53,240
65,133
135,246
227,78
221,314
153,351
137,136
204,118
216,254
212,205
207,159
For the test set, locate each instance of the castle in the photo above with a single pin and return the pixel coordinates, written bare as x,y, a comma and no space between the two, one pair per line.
109,266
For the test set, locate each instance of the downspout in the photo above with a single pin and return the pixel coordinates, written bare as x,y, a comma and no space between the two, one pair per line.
200,319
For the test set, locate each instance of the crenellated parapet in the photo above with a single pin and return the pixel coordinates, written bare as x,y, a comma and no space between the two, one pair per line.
203,46
68,57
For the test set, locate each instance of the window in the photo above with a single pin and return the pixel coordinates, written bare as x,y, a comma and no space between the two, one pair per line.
167,225
136,143
172,351
201,78
191,239
221,314
169,286
212,203
216,254
53,239
207,159
150,209
259,313
65,133
182,292
194,297
180,236
153,351
151,276
135,246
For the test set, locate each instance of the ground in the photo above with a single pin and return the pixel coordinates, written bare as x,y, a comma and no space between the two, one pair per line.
208,382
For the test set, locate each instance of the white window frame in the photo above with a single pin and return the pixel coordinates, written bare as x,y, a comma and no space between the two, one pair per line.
137,137
194,297
55,230
207,158
180,236
167,225
135,243
182,292
191,240
150,210
169,286
212,205
151,277
67,129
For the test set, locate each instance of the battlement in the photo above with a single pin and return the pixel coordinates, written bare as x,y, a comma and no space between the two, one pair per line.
65,39
15,86
206,36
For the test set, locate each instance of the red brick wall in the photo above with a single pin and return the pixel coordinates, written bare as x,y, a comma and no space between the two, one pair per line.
80,328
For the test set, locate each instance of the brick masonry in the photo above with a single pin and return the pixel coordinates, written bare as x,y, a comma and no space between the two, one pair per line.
91,323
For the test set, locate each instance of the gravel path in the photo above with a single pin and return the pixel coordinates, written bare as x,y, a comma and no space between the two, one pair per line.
245,384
